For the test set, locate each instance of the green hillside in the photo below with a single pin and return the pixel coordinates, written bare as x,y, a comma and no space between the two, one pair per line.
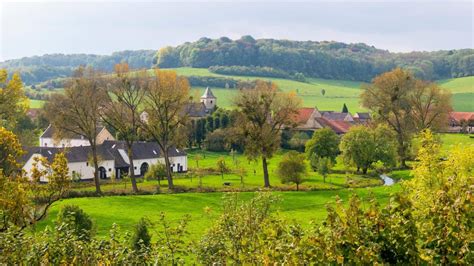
337,93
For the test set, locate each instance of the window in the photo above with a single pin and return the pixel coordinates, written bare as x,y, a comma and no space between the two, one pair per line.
87,164
110,169
135,168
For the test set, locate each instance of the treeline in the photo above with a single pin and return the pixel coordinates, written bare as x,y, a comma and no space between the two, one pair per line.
256,71
201,81
38,69
333,60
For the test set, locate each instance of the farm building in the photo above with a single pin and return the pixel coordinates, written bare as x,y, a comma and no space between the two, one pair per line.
48,138
113,156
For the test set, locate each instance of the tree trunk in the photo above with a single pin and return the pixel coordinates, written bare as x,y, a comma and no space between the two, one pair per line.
132,168
266,178
96,169
297,187
401,151
364,170
168,170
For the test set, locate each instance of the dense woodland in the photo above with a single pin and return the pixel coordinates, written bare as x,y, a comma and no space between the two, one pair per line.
262,57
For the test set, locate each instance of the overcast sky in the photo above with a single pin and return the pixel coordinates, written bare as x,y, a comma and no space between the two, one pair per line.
102,27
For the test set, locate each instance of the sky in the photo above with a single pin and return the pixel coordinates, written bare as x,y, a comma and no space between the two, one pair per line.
102,27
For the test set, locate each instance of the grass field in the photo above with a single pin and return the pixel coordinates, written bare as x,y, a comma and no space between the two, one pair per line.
36,103
204,208
337,92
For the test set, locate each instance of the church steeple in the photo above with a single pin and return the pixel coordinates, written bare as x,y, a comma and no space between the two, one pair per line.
209,99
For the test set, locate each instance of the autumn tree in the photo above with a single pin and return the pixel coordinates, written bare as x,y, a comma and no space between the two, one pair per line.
121,111
264,111
24,201
406,105
77,111
362,146
10,152
165,99
292,168
13,102
430,105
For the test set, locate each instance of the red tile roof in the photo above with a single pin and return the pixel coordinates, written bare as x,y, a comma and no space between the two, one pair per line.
303,115
339,127
458,116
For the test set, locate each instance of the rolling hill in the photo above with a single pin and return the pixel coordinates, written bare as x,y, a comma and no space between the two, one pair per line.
337,93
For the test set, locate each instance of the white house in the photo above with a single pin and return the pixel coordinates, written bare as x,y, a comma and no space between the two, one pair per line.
113,159
47,139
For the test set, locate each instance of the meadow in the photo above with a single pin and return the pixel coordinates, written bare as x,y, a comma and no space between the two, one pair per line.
204,206
338,92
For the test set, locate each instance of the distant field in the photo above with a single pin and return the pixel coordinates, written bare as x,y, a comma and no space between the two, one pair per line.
458,85
36,103
337,92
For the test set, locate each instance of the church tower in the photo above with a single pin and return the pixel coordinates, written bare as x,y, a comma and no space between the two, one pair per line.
209,99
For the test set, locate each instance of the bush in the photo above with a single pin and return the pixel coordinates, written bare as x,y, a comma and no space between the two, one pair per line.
216,141
141,238
77,220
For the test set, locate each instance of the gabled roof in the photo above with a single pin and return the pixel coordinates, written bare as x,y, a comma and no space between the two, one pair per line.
459,116
339,127
196,110
109,150
49,133
335,116
362,115
303,115
208,94
73,154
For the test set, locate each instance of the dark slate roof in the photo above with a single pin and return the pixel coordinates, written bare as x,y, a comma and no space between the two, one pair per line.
109,150
49,133
336,116
73,154
196,110
208,94
363,115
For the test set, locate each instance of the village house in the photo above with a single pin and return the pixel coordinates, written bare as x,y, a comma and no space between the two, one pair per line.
113,159
461,122
311,119
48,139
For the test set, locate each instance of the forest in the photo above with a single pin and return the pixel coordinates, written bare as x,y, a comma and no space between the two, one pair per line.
263,57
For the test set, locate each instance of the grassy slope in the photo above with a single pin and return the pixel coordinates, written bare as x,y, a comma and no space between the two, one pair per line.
127,210
337,92
301,206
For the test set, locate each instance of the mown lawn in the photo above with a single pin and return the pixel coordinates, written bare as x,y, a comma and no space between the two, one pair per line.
204,208
451,140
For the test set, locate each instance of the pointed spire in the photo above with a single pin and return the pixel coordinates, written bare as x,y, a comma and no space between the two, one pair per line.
208,93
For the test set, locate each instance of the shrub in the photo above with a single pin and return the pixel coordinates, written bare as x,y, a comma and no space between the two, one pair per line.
141,238
77,220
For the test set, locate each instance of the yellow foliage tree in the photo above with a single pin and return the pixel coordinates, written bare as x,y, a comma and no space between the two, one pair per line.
13,102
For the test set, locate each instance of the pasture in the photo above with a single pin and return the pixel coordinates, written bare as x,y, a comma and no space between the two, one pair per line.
204,208
337,93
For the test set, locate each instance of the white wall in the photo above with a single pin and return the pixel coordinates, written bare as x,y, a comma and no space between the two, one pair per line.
29,166
86,170
50,142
